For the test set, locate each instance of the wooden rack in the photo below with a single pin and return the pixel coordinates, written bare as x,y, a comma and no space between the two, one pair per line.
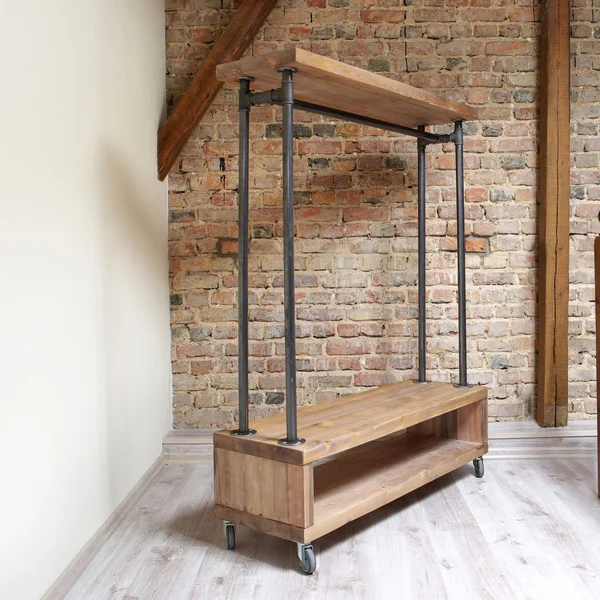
301,475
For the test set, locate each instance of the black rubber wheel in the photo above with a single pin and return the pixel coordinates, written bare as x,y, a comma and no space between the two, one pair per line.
309,562
479,469
230,537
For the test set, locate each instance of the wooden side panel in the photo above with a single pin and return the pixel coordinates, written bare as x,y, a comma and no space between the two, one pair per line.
554,216
472,422
468,423
269,488
442,426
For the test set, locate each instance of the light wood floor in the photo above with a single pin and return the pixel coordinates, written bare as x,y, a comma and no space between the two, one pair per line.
528,529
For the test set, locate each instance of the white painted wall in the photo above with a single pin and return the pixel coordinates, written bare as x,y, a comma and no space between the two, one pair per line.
84,323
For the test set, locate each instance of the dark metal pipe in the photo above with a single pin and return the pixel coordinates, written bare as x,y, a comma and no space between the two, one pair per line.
422,192
244,133
266,97
275,96
420,133
457,138
289,309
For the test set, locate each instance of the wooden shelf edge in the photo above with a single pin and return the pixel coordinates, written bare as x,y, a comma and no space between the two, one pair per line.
356,83
262,524
358,411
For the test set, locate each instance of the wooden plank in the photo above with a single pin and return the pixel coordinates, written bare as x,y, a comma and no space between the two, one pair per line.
258,523
338,425
366,479
174,134
272,489
552,404
472,423
469,423
597,294
327,82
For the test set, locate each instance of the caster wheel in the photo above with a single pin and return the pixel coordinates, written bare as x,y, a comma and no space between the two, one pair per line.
229,535
479,469
308,560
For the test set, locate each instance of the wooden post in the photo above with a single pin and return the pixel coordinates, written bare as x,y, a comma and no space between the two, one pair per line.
552,404
175,133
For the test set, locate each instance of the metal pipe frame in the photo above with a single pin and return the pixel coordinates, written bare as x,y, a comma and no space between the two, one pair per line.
275,97
289,307
457,138
284,96
422,193
243,242
430,138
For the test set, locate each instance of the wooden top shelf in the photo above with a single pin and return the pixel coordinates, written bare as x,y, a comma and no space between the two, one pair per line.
338,425
326,82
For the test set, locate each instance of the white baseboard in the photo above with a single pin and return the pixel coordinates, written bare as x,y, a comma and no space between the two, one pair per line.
526,440
188,445
509,441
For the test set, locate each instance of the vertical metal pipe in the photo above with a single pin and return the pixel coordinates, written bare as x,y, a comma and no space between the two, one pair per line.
460,232
287,107
422,192
244,133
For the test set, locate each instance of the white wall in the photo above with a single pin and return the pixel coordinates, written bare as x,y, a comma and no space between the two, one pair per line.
84,324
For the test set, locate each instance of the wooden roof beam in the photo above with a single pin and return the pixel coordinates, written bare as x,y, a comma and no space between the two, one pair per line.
553,298
174,134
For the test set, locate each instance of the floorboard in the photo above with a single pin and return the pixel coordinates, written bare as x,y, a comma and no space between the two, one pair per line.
528,530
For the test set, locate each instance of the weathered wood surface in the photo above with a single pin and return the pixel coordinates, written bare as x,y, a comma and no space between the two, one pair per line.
553,298
174,134
269,488
367,478
338,425
327,82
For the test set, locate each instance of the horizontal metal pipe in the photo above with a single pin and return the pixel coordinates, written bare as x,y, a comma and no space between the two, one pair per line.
432,138
275,97
266,97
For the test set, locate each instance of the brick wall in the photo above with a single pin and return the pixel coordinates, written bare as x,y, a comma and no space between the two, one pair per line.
356,211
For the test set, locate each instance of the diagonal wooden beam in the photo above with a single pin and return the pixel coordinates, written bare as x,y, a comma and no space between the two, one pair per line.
553,299
174,134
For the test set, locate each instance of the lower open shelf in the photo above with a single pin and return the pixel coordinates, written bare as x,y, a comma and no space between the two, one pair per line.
337,491
371,476
361,452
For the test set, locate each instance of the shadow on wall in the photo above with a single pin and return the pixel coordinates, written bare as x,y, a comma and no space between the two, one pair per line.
134,307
